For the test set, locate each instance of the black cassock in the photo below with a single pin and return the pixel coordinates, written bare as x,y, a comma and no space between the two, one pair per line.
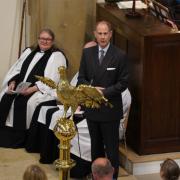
14,137
42,140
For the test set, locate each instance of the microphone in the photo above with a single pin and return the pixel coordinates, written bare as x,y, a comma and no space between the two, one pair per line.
92,78
91,82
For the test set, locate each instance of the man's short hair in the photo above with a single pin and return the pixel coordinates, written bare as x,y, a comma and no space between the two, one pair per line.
104,22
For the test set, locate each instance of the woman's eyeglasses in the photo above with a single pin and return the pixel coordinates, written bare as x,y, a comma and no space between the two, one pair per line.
44,39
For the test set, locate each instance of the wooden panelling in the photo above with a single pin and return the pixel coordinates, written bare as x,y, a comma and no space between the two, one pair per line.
154,62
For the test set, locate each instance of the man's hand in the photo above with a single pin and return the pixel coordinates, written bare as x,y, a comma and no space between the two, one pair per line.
99,89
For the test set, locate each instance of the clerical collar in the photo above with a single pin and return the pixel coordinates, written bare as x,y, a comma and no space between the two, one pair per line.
104,49
41,51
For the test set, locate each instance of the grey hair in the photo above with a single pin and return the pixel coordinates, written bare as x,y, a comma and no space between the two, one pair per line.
102,169
49,31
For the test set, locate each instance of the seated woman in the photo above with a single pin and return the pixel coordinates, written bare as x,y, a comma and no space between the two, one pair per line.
15,115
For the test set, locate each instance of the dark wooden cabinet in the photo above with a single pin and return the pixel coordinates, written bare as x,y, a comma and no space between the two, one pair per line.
153,49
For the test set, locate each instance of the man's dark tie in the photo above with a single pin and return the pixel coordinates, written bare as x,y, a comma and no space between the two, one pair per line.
101,56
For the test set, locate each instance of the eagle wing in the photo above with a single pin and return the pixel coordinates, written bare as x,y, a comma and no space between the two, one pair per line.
90,97
47,81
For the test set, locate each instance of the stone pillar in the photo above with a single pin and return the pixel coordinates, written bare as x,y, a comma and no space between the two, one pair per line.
69,19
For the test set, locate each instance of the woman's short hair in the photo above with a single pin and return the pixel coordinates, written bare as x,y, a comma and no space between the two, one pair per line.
49,31
170,170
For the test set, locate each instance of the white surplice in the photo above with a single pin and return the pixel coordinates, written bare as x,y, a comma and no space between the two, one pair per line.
45,93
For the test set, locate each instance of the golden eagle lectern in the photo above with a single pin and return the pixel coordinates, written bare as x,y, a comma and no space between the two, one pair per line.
70,97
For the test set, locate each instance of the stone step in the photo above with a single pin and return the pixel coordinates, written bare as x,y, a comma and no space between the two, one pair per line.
124,175
145,164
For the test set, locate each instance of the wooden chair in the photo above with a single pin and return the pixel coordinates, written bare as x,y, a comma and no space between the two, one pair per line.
123,126
159,10
165,13
126,96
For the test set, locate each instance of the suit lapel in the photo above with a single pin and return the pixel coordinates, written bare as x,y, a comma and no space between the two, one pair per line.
95,57
95,61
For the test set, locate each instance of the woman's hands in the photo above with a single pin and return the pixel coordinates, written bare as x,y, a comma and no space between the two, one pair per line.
29,90
24,91
11,87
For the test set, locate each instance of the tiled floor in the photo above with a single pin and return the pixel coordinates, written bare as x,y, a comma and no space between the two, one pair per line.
13,162
148,177
125,176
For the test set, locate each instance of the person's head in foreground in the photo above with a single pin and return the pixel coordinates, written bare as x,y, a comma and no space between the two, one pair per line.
34,172
169,170
102,169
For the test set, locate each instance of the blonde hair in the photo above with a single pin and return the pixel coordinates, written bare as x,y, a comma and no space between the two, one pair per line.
34,172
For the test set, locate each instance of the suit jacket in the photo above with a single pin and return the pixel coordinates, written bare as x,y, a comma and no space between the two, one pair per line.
112,74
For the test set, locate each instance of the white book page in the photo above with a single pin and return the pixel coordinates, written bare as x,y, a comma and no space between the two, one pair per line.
128,5
21,86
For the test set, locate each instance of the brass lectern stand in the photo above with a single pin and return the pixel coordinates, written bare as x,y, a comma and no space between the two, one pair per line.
65,130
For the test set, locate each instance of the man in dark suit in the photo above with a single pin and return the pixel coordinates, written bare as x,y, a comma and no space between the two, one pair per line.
107,72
